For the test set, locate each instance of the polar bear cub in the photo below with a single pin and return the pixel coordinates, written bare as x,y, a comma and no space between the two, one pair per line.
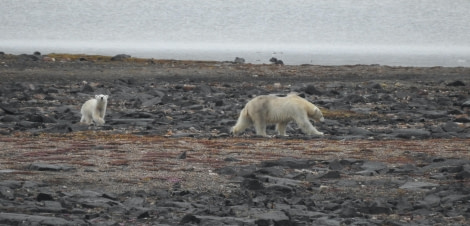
93,110
270,109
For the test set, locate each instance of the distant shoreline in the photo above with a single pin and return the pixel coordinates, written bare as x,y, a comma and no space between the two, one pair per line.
290,54
130,58
76,67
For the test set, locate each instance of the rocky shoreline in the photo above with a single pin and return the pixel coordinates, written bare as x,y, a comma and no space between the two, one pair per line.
395,150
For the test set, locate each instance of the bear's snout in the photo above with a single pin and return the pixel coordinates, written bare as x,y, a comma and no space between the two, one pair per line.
321,119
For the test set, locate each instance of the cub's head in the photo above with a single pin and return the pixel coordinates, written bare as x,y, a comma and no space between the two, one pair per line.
101,97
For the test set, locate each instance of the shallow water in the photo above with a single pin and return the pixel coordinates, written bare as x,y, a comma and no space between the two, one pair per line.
416,33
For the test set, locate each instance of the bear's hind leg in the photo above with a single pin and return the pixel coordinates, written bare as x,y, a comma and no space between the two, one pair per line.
281,128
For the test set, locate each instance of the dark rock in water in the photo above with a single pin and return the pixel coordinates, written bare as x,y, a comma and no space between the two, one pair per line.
26,57
276,61
120,57
456,83
239,60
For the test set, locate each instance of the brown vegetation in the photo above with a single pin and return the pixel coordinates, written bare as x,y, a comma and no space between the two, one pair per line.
135,161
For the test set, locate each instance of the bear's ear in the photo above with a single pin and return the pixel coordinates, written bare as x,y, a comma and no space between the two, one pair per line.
97,96
106,96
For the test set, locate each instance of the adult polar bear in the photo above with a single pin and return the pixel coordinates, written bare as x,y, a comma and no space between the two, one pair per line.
270,109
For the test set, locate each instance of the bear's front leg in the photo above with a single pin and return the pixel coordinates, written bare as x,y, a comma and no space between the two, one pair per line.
97,119
260,127
307,127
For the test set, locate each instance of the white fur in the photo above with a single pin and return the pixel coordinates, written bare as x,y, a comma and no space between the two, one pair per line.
94,110
268,109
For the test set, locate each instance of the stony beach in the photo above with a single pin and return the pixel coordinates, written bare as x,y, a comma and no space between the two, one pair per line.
395,150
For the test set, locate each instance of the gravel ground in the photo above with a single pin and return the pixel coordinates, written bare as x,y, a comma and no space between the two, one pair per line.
395,150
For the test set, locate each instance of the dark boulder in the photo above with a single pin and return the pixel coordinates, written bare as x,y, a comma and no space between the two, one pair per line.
120,57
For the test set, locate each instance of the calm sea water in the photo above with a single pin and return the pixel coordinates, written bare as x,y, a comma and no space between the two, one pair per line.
329,32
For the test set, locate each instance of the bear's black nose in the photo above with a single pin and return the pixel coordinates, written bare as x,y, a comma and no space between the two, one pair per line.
101,97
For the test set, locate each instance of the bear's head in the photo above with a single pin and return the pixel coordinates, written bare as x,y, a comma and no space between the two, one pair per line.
101,97
318,116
